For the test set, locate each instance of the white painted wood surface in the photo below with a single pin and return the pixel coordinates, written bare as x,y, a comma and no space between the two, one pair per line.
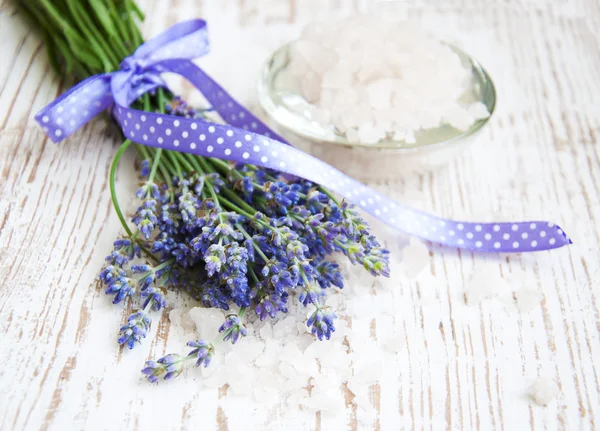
462,367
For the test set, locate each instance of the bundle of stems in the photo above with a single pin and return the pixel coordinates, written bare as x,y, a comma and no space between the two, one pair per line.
234,236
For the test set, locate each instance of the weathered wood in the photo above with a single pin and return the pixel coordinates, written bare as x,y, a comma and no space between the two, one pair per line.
462,367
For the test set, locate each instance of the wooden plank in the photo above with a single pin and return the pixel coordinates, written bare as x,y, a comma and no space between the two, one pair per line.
461,367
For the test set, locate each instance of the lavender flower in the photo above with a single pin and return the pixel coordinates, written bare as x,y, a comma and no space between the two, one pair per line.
169,366
124,251
121,287
154,297
233,328
203,352
136,328
145,218
234,234
322,323
145,168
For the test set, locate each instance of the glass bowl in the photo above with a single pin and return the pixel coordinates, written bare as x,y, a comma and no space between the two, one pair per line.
290,114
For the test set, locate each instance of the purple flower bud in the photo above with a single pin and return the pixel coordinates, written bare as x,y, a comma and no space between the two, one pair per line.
203,351
135,329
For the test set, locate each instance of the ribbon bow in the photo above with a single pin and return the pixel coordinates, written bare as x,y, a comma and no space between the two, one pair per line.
246,139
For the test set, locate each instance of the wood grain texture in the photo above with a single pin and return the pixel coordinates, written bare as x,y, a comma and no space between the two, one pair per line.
461,368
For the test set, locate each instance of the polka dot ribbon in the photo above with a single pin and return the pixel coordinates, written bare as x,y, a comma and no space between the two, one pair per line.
246,139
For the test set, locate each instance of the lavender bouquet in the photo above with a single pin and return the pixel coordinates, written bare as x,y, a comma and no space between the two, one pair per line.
228,234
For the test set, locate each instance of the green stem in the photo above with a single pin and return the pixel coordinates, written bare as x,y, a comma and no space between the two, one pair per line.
256,247
181,159
194,162
234,207
83,27
329,194
230,194
117,19
113,193
177,167
253,274
155,163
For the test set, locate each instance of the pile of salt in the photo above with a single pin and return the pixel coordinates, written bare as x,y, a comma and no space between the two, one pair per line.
376,80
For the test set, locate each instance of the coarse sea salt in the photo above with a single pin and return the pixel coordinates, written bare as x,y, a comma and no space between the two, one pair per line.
543,391
281,361
376,80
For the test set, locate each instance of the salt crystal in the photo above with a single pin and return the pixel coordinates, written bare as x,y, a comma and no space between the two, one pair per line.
207,321
399,135
478,110
346,97
181,318
314,31
352,135
370,134
528,299
249,349
459,118
329,402
305,366
290,353
285,327
415,257
316,349
380,93
241,381
385,117
337,77
322,116
266,332
297,397
360,392
267,396
335,357
485,283
292,378
310,87
368,368
269,356
410,138
543,391
387,65
298,68
316,56
287,370
327,98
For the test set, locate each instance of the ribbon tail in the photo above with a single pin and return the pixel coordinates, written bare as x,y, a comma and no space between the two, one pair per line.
228,108
187,39
74,108
206,139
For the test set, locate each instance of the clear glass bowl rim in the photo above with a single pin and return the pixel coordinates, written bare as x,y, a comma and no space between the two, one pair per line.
267,103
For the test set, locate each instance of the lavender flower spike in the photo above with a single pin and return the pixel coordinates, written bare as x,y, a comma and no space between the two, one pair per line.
322,323
203,351
170,366
233,328
135,329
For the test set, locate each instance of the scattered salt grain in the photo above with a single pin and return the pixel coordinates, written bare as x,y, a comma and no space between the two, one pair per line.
207,321
415,258
478,110
485,283
543,391
180,318
279,360
528,299
377,80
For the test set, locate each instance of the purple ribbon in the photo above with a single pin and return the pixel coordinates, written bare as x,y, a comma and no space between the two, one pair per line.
246,139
